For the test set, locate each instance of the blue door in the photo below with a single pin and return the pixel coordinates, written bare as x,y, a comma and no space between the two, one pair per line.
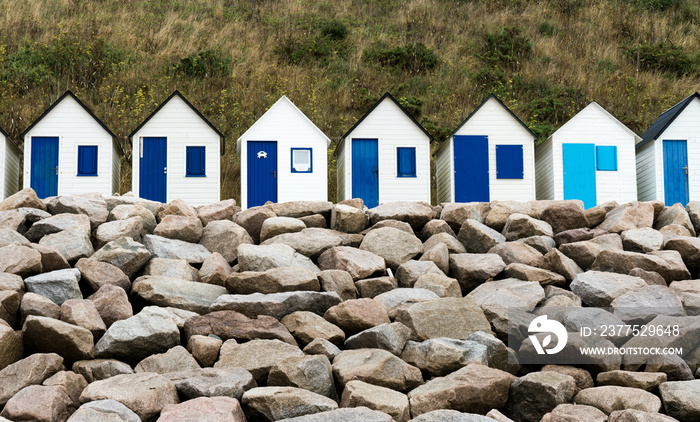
365,171
153,168
675,172
262,172
44,170
471,168
579,173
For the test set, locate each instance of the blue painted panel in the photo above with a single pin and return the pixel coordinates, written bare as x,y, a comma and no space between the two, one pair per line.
44,170
87,160
579,173
195,165
365,171
406,162
471,168
509,162
153,162
262,172
606,157
675,172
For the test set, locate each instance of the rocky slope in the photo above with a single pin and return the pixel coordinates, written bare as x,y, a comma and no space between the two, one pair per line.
119,309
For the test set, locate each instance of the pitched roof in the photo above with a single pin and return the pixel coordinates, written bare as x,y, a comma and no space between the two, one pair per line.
301,113
595,104
502,105
68,93
201,116
666,118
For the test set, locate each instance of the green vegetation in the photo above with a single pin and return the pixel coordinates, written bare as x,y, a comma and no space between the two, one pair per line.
545,59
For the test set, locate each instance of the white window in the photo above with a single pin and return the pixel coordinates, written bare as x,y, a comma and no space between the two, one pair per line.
301,160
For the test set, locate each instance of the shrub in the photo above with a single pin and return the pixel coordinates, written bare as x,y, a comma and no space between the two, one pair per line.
605,66
327,39
507,46
546,28
334,29
207,64
413,105
414,57
664,56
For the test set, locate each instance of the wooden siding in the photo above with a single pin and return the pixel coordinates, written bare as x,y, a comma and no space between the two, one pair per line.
116,169
11,170
182,127
340,176
646,174
73,126
393,129
444,173
544,173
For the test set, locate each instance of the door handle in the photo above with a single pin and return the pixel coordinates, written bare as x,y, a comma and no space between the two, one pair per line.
274,174
56,170
165,170
376,172
686,169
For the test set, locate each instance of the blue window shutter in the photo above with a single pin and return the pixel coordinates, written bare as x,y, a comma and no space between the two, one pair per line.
509,162
406,162
606,157
196,159
87,160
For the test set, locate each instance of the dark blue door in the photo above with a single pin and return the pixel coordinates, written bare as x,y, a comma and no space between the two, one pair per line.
262,172
153,168
44,177
365,171
471,155
579,173
675,172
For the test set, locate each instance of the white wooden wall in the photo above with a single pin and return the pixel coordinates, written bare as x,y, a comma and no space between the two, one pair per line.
73,126
445,173
287,125
182,127
340,173
393,129
646,173
544,170
116,168
9,160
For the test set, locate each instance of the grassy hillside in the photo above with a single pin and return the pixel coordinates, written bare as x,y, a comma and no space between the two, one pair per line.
546,59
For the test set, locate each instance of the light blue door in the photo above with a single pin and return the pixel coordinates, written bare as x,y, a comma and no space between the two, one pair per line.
153,168
675,172
262,172
365,171
471,168
579,173
44,170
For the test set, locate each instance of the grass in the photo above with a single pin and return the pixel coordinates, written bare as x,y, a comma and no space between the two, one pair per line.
233,59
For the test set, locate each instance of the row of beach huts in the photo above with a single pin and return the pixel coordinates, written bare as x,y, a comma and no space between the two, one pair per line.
383,157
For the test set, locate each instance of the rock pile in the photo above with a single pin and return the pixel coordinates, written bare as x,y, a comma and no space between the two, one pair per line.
120,309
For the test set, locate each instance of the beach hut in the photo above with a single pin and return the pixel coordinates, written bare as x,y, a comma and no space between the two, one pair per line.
384,157
489,157
176,155
284,157
591,158
68,150
668,156
9,165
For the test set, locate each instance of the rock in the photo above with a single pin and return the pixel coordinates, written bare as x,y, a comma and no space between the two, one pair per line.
519,226
395,246
255,356
414,213
233,325
440,255
323,347
674,366
171,268
9,306
688,247
222,210
652,278
632,415
348,219
648,381
277,305
675,214
252,219
644,304
31,370
309,242
265,257
455,318
393,403
612,398
274,226
310,372
146,394
9,236
537,393
48,335
667,263
407,274
211,382
539,275
128,199
559,263
642,240
338,281
150,331
204,349
391,337
359,263
95,208
301,208
39,403
20,260
394,224
585,253
497,354
681,399
509,292
205,409
97,273
11,348
277,403
478,238
187,295
373,287
398,298
24,198
72,383
597,288
634,215
177,207
344,415
455,213
307,326
215,270
377,367
471,270
582,377
113,230
99,369
83,313
275,280
174,360
112,304
447,415
161,247
441,356
224,237
58,286
500,211
575,413
34,304
439,284
314,221
542,244
127,211
577,235
474,389
434,227
56,224
104,411
512,252
353,316
453,245
125,254
674,230
11,282
564,216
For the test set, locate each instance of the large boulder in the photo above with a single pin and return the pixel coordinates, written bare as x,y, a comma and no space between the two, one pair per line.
445,317
166,291
537,393
585,252
39,403
408,273
57,223
356,315
675,214
187,229
125,254
644,304
58,286
204,409
277,305
338,281
31,370
681,399
177,207
104,411
688,247
98,273
99,369
391,337
95,208
310,372
477,237
24,198
224,237
265,257
309,242
255,356
512,252
172,268
441,356
162,247
377,367
73,243
642,240
359,263
453,244
279,225
559,263
668,264
277,403
112,304
519,226
471,270
127,211
233,325
307,326
348,219
83,313
174,360
113,230
611,398
634,215
509,292
456,213
414,213
564,216
11,349
252,220
211,382
222,210
298,209
393,403
395,246
275,280
597,288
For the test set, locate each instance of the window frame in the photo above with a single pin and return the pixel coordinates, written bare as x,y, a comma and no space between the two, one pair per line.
414,172
311,160
204,161
97,161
